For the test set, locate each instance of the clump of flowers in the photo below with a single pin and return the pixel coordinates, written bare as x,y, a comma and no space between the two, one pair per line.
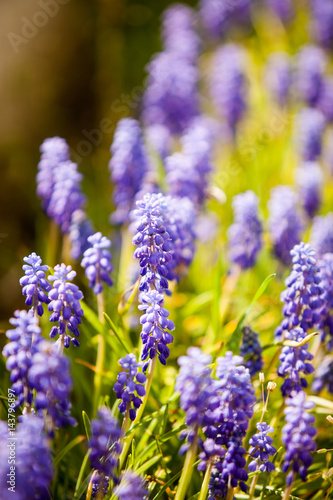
278,77
311,67
325,265
131,487
324,375
129,386
79,231
34,283
321,235
310,126
97,262
261,449
309,180
251,351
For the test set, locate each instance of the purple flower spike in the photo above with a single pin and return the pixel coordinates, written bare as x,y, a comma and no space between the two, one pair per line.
49,375
244,234
34,469
171,97
131,487
325,265
297,436
156,327
19,351
79,231
321,235
283,9
178,32
97,262
160,139
309,180
278,77
285,222
105,444
130,385
251,351
322,21
325,103
261,449
217,15
35,285
65,305
310,126
304,299
128,167
183,179
324,375
311,67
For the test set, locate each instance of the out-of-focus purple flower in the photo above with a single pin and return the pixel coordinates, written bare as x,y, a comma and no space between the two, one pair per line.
23,341
244,235
228,83
261,449
304,298
325,102
210,450
183,178
153,242
159,138
322,21
285,221
294,362
49,375
54,151
310,126
198,392
129,386
33,461
284,9
100,485
178,32
97,262
79,230
155,325
251,351
35,285
65,305
104,444
327,154
324,375
131,487
310,71
171,97
128,166
321,235
278,77
325,265
297,436
217,15
309,181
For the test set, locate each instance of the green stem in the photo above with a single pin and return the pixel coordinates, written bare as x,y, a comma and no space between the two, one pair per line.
253,486
229,286
100,352
204,486
128,439
231,491
90,486
287,492
187,470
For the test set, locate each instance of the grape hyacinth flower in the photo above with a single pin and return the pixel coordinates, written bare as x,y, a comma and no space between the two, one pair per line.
35,285
304,298
153,242
105,446
97,262
65,305
294,362
178,32
171,97
19,351
285,222
310,72
244,235
309,180
325,103
79,231
49,375
310,125
131,487
321,235
130,386
278,77
128,166
159,139
261,449
297,436
251,351
155,325
34,469
54,152
228,84
217,16
325,265
324,376
282,8
322,21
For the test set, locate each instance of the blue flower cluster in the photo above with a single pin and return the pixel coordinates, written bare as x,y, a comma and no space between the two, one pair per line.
251,351
310,71
178,32
309,180
97,262
325,265
261,449
284,9
321,22
65,305
310,125
217,16
298,436
79,231
131,487
324,375
321,235
244,235
129,386
35,285
278,77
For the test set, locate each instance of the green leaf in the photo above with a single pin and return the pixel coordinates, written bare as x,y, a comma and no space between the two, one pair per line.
116,332
198,302
86,423
170,482
235,339
67,448
79,479
148,464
